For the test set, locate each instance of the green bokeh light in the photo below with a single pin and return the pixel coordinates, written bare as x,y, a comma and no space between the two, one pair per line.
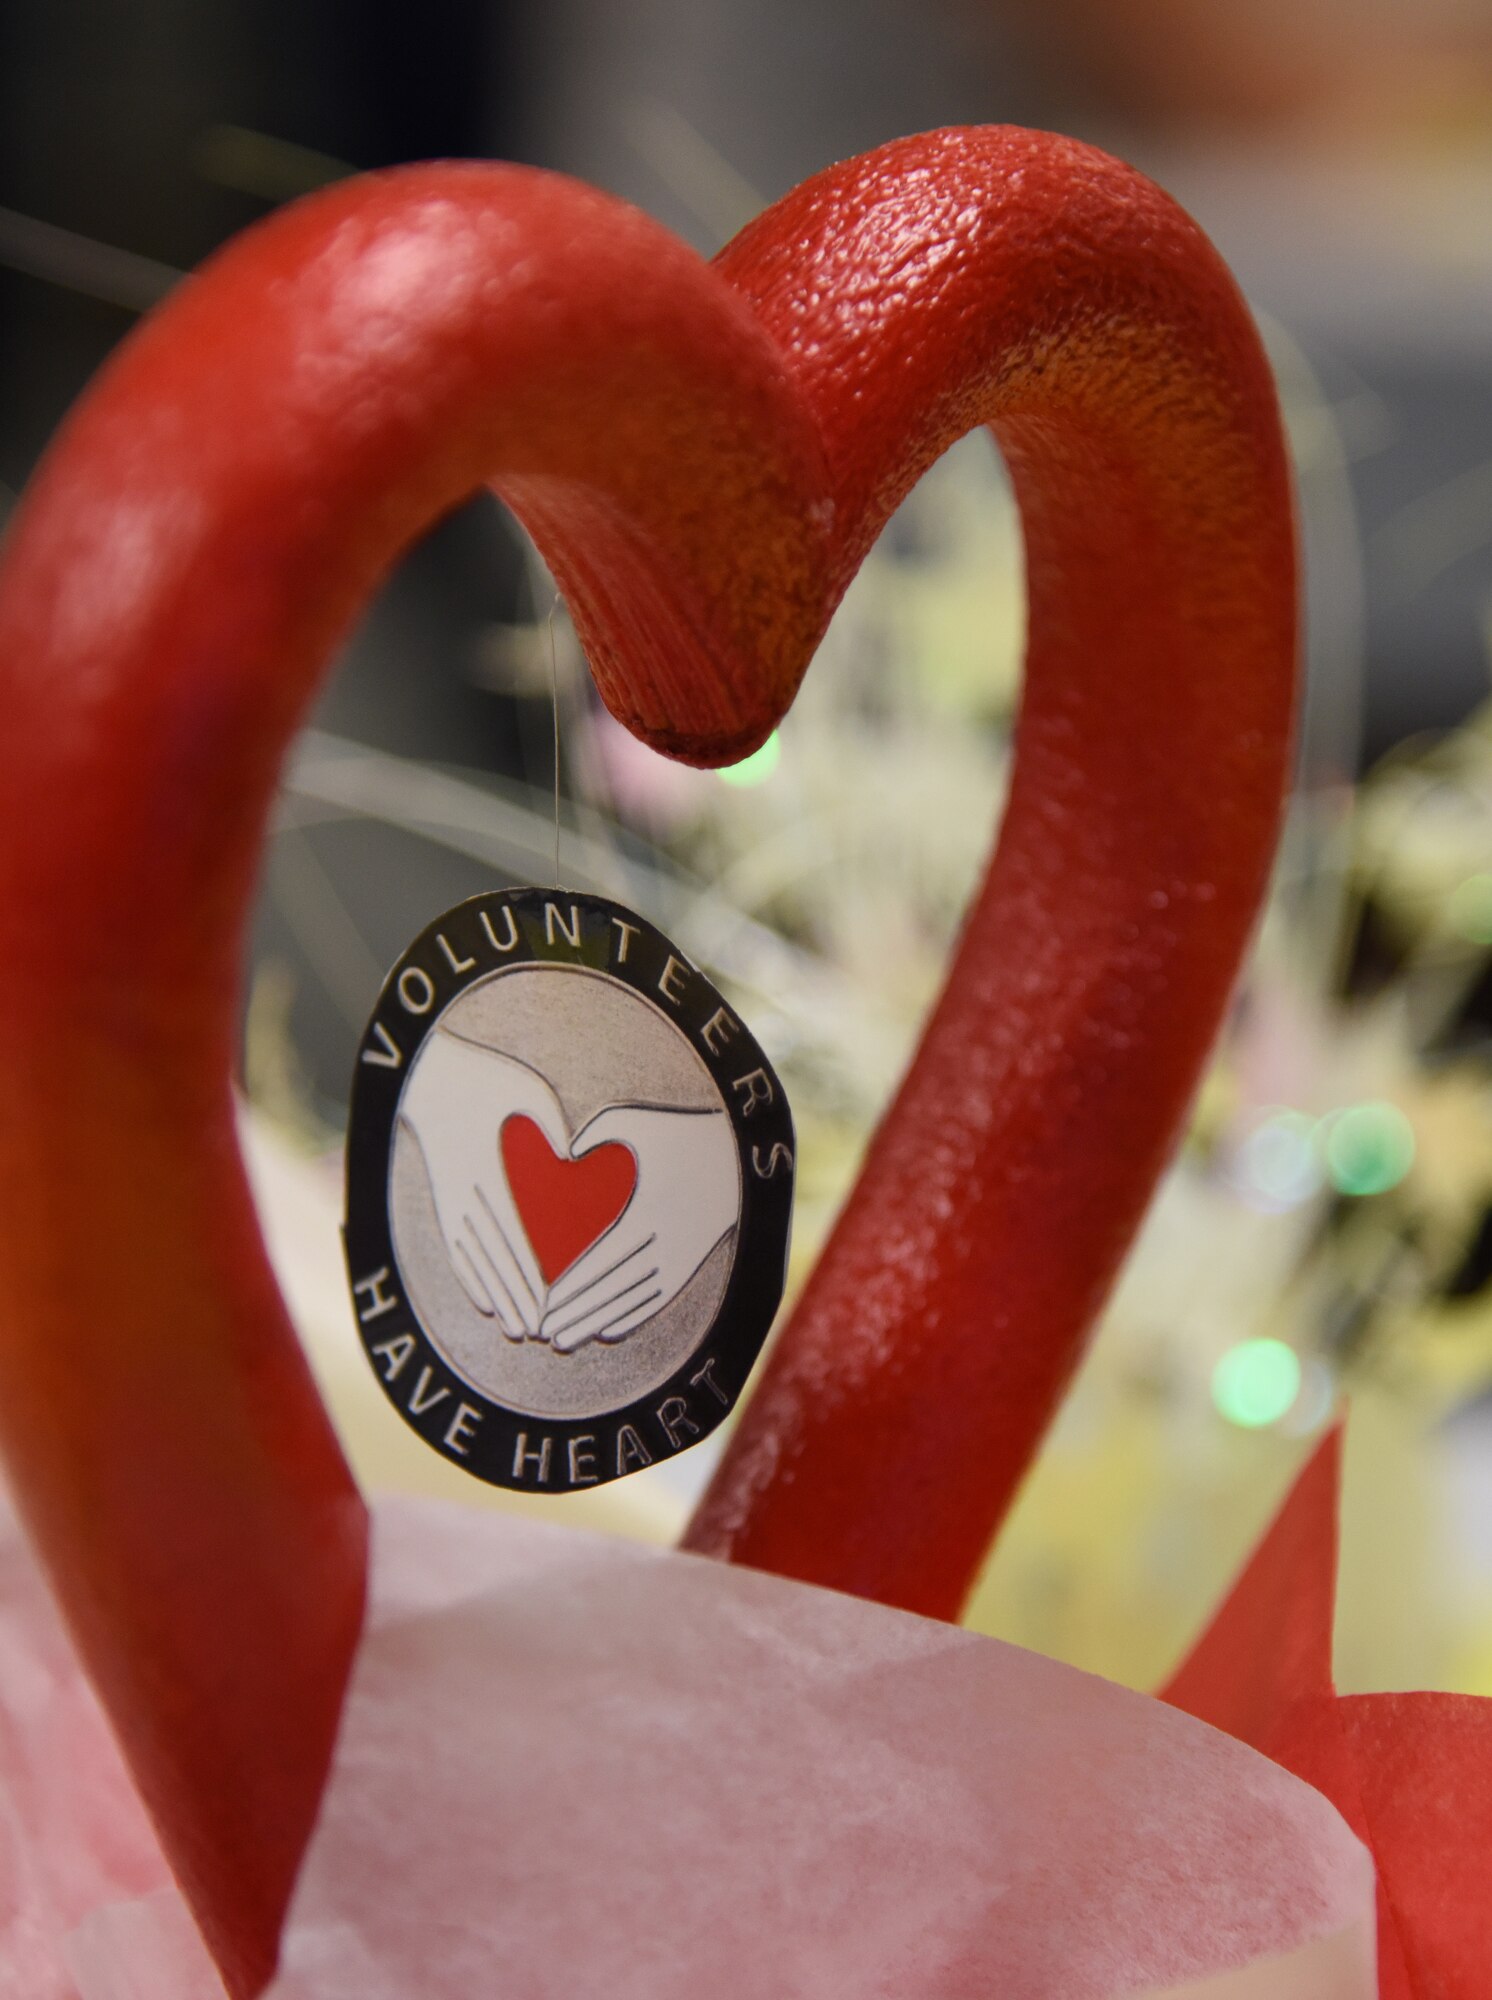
1469,907
758,767
1256,1382
1369,1148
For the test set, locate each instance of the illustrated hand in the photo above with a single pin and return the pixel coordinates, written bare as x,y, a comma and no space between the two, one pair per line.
687,1197
455,1103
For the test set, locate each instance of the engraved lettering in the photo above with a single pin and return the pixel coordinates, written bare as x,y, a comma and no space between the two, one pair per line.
422,1401
553,922
780,1156
673,1414
456,964
631,1453
673,971
522,1457
706,1375
388,1054
461,1429
395,1352
721,1024
416,990
583,1461
757,1086
379,1301
497,943
628,931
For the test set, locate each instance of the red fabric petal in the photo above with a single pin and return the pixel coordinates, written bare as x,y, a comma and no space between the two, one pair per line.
1410,1773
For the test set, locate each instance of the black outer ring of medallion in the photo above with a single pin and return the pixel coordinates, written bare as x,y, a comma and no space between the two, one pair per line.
507,1447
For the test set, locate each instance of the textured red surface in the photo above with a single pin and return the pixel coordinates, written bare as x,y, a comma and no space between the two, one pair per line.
1035,286
704,455
1410,1773
206,525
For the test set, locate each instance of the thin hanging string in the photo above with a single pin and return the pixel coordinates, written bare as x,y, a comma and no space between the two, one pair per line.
554,704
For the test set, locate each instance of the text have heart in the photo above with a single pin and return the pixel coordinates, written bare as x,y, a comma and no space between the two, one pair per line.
560,1458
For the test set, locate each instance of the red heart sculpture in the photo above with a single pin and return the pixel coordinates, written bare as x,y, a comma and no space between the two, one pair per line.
564,1204
704,455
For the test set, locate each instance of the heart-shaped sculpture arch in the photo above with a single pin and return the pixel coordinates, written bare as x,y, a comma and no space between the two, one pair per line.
1028,283
704,456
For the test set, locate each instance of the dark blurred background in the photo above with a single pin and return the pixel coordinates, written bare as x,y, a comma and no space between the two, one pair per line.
1341,155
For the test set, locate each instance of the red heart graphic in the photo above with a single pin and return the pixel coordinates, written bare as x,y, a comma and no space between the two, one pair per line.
564,1204
704,455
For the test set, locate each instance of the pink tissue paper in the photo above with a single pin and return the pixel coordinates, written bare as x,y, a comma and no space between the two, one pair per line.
569,1764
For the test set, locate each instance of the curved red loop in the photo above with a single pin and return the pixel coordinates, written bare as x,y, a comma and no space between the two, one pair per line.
1011,279
211,517
704,457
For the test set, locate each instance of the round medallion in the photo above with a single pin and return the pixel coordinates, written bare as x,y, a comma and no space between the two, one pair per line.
569,1192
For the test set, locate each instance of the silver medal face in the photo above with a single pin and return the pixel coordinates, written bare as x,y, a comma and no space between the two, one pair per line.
569,1192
